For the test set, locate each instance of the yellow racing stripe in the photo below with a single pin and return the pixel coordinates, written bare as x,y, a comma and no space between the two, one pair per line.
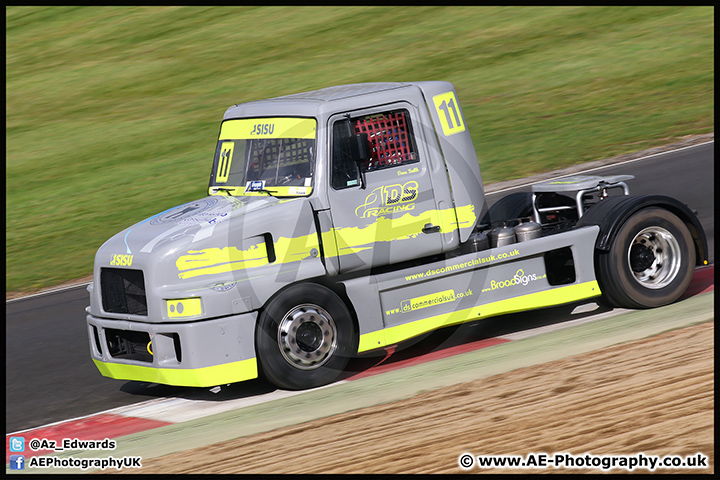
337,242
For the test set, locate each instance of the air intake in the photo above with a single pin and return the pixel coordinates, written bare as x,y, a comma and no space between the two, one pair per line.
123,291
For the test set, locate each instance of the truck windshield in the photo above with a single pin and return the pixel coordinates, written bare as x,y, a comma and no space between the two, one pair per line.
260,156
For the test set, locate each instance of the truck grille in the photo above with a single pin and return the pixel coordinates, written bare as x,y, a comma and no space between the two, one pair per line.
123,291
128,345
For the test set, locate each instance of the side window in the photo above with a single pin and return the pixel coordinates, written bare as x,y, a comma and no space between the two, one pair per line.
392,143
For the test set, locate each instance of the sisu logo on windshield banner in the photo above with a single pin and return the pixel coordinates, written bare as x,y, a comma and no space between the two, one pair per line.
389,199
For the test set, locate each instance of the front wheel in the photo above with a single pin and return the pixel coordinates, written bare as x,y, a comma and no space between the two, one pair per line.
305,337
650,262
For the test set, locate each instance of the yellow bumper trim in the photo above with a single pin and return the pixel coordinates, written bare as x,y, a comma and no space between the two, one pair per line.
194,377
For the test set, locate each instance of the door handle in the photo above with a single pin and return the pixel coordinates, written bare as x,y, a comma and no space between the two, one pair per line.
430,228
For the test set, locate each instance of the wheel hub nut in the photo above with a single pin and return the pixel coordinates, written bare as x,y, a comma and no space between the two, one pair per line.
641,258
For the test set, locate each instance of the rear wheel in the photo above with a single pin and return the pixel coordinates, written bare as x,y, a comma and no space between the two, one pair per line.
305,337
650,262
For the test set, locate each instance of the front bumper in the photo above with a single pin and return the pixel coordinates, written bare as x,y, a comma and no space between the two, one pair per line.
191,354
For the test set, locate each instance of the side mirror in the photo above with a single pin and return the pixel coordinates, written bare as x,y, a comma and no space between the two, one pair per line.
355,147
359,148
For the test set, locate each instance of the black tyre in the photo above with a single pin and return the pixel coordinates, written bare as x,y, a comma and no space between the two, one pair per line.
305,337
650,263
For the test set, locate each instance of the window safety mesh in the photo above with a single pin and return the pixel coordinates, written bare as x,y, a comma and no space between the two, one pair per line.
389,139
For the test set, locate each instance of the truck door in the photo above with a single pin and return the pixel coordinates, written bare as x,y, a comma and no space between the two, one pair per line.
390,215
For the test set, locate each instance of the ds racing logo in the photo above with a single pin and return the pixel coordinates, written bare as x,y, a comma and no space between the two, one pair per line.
520,279
389,199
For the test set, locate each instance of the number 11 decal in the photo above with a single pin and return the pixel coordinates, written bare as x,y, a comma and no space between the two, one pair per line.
449,113
223,169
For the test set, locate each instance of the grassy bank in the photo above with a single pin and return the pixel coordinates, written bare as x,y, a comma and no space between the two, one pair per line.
112,113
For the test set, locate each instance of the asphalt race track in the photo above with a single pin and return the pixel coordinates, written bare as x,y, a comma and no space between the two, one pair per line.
50,377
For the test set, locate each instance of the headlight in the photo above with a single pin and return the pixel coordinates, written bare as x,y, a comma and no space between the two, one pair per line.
184,307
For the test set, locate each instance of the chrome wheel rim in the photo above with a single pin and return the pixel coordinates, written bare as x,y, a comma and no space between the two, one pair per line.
654,257
307,336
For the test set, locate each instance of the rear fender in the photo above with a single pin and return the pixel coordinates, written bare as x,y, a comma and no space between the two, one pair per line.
611,213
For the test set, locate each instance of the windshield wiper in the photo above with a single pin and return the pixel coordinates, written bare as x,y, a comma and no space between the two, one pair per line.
259,186
230,190
269,192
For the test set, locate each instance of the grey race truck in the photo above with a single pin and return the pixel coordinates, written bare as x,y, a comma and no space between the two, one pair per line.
352,218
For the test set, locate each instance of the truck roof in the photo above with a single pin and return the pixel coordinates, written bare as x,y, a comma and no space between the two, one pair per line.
339,92
306,103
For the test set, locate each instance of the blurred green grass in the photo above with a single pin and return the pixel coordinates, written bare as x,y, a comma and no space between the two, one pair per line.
112,113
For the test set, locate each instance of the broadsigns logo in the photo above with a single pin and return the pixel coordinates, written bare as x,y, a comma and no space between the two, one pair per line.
520,278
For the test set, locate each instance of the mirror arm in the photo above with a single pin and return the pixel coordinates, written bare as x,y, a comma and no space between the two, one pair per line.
362,175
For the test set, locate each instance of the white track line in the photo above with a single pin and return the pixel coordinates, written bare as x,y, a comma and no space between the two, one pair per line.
177,410
52,290
603,166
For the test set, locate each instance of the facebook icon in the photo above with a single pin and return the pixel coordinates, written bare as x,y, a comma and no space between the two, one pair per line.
17,462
